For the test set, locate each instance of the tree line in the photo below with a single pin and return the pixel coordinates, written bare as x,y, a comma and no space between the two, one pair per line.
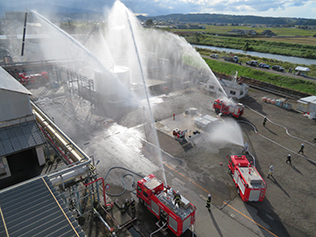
229,19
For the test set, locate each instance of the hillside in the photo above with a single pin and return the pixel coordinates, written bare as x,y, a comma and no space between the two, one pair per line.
229,19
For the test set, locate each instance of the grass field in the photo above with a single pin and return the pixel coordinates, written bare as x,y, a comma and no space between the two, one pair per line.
293,40
244,58
251,44
275,79
279,31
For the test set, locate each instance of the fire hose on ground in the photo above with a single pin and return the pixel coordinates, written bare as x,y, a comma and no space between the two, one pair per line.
256,131
124,185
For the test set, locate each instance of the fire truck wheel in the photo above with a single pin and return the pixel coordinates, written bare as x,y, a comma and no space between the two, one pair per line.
238,191
217,110
230,172
141,201
230,115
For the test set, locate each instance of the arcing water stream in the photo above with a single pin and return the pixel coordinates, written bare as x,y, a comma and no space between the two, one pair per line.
128,55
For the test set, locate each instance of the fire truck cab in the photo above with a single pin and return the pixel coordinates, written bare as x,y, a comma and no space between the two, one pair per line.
152,193
228,107
249,183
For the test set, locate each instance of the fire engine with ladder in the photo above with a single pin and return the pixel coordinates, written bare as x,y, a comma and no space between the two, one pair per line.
228,107
158,200
249,183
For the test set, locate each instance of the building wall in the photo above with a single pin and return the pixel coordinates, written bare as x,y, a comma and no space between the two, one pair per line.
14,105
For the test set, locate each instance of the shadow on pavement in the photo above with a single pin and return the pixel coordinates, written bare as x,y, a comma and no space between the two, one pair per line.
278,185
295,169
271,131
215,224
266,213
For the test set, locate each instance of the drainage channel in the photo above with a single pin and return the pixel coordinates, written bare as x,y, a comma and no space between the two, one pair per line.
134,232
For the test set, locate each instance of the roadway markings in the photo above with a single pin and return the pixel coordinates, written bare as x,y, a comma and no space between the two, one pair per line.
287,132
208,192
223,201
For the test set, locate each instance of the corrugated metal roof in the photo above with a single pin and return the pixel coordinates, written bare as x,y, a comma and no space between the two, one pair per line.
7,82
309,99
35,208
20,137
302,69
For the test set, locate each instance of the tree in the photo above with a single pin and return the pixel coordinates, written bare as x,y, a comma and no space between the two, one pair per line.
149,22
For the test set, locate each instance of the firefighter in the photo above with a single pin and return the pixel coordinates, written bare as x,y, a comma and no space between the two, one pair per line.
302,149
264,121
177,198
126,204
208,202
289,159
132,205
246,147
314,139
271,171
170,192
123,210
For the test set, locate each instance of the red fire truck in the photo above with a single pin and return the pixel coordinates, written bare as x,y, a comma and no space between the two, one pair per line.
32,78
228,107
249,183
159,200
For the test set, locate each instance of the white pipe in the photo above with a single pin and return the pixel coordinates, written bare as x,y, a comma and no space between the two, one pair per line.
69,175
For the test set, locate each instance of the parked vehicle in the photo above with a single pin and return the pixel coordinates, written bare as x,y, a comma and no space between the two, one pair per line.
300,74
213,56
228,107
277,68
264,65
159,200
32,78
231,58
252,63
249,183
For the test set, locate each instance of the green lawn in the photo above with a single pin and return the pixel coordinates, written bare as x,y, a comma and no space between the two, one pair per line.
275,79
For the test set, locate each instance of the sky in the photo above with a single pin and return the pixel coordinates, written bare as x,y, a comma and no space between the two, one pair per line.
273,8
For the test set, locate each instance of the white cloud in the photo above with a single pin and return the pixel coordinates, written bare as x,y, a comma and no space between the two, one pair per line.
288,8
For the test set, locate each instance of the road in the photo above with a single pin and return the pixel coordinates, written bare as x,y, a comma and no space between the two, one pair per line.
197,171
285,73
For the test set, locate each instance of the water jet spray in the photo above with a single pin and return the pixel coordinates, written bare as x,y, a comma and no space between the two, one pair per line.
147,97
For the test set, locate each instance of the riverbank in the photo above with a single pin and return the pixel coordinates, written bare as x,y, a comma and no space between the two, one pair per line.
250,44
282,58
268,76
243,58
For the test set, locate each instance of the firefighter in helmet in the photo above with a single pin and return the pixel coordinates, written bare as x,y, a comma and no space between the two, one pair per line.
177,198
132,205
208,202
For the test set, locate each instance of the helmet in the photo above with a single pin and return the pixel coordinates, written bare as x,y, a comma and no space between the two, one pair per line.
209,194
177,192
132,199
289,154
126,200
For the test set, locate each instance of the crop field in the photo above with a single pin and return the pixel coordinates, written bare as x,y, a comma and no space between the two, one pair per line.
279,31
251,44
292,40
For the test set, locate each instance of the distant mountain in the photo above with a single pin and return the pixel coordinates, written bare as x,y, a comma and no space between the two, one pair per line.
221,18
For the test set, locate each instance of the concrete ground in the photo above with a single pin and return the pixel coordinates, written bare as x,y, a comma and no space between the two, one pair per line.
289,208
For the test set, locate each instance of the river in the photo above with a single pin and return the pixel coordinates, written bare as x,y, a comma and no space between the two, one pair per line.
290,59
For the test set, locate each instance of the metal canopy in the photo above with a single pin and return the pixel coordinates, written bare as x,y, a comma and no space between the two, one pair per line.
7,82
20,137
302,69
35,208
